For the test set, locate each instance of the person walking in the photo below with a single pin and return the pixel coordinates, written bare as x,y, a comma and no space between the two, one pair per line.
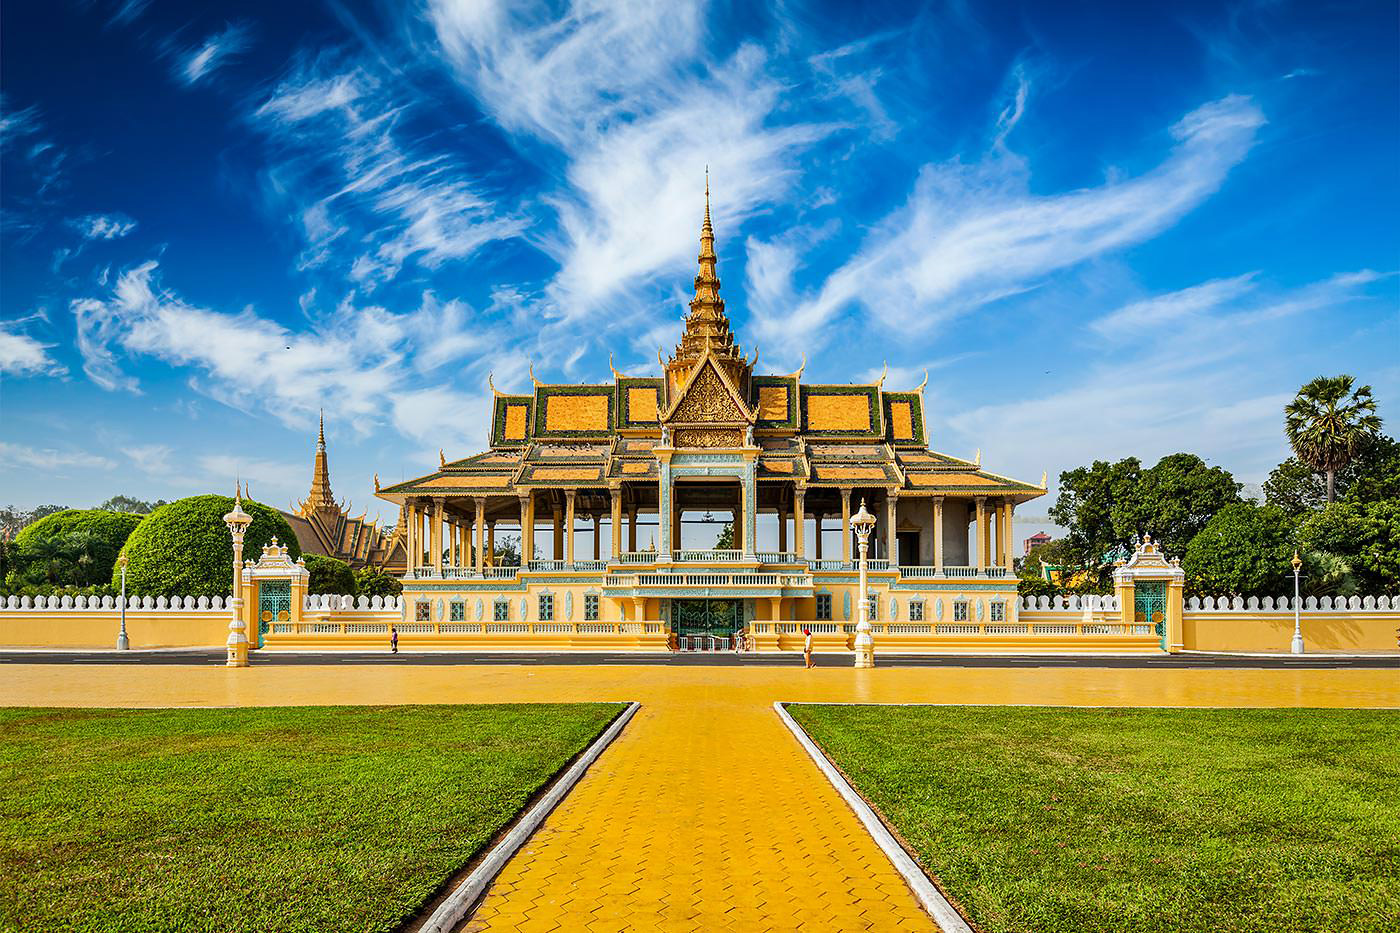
807,647
393,639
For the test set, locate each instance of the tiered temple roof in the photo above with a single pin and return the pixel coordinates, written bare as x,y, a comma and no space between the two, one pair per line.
324,526
812,435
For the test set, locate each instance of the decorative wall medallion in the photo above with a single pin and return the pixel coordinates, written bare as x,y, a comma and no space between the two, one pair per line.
480,610
569,606
846,605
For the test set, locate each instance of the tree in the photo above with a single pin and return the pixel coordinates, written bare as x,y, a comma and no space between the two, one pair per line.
1106,505
725,541
184,548
507,551
372,582
130,504
1374,474
1328,422
1173,501
75,547
329,575
1244,550
1085,507
13,520
1377,478
1055,552
1364,534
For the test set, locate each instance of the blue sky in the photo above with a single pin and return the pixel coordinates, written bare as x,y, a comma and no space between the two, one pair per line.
1104,229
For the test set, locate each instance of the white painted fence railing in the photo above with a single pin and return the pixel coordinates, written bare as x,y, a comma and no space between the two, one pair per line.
1285,604
99,603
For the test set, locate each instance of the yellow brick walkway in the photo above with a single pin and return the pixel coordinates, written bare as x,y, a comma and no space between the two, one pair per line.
705,814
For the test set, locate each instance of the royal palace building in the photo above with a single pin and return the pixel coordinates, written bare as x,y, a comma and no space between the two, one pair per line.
708,435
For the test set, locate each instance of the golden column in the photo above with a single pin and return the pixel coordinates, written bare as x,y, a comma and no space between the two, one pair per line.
410,540
982,534
569,525
480,525
846,525
799,521
615,520
891,536
632,528
527,529
938,535
490,554
817,520
558,531
437,536
782,526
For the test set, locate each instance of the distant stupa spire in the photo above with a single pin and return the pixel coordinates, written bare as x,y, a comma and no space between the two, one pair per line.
320,497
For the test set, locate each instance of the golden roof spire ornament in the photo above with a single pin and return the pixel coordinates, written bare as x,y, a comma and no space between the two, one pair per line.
706,326
320,496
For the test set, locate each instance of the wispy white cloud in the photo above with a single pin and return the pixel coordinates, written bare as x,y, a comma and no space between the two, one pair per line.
128,11
103,226
152,459
625,93
49,459
377,366
973,234
357,185
22,355
1197,368
199,62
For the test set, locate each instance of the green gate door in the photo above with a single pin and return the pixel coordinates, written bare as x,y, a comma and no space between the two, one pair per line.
1150,608
274,605
705,624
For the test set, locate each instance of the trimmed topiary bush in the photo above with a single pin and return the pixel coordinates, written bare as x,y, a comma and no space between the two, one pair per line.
372,583
75,547
329,575
184,548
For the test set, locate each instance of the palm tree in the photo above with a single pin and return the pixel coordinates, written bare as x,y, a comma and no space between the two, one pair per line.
1327,423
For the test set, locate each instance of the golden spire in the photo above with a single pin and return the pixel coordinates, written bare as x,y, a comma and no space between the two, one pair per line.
320,497
706,327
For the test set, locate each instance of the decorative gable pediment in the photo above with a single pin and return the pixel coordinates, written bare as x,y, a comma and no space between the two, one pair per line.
709,398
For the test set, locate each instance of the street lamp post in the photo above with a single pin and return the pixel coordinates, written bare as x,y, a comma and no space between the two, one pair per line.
863,523
237,521
1297,645
122,642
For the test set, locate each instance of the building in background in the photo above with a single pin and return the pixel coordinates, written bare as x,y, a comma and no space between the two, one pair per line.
708,435
1039,537
324,526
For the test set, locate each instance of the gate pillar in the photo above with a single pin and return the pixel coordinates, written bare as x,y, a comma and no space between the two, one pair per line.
1151,591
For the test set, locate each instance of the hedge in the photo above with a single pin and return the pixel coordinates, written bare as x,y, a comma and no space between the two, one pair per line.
109,531
329,575
184,548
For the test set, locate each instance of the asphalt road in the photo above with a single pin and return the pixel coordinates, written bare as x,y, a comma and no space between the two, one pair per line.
727,659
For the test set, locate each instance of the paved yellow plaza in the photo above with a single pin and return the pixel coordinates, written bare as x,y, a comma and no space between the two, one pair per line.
705,814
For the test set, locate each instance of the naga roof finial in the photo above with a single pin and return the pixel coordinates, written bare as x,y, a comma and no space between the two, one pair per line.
798,374
616,374
921,385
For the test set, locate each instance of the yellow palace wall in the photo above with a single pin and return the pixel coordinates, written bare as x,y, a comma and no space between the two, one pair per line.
1030,626
153,628
1345,631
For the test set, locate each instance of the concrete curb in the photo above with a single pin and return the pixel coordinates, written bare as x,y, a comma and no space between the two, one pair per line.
944,914
457,905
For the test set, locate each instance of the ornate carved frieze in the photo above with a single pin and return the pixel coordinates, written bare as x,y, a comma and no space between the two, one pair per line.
709,437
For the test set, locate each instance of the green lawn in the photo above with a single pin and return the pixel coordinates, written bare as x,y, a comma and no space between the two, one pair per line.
306,818
1045,820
